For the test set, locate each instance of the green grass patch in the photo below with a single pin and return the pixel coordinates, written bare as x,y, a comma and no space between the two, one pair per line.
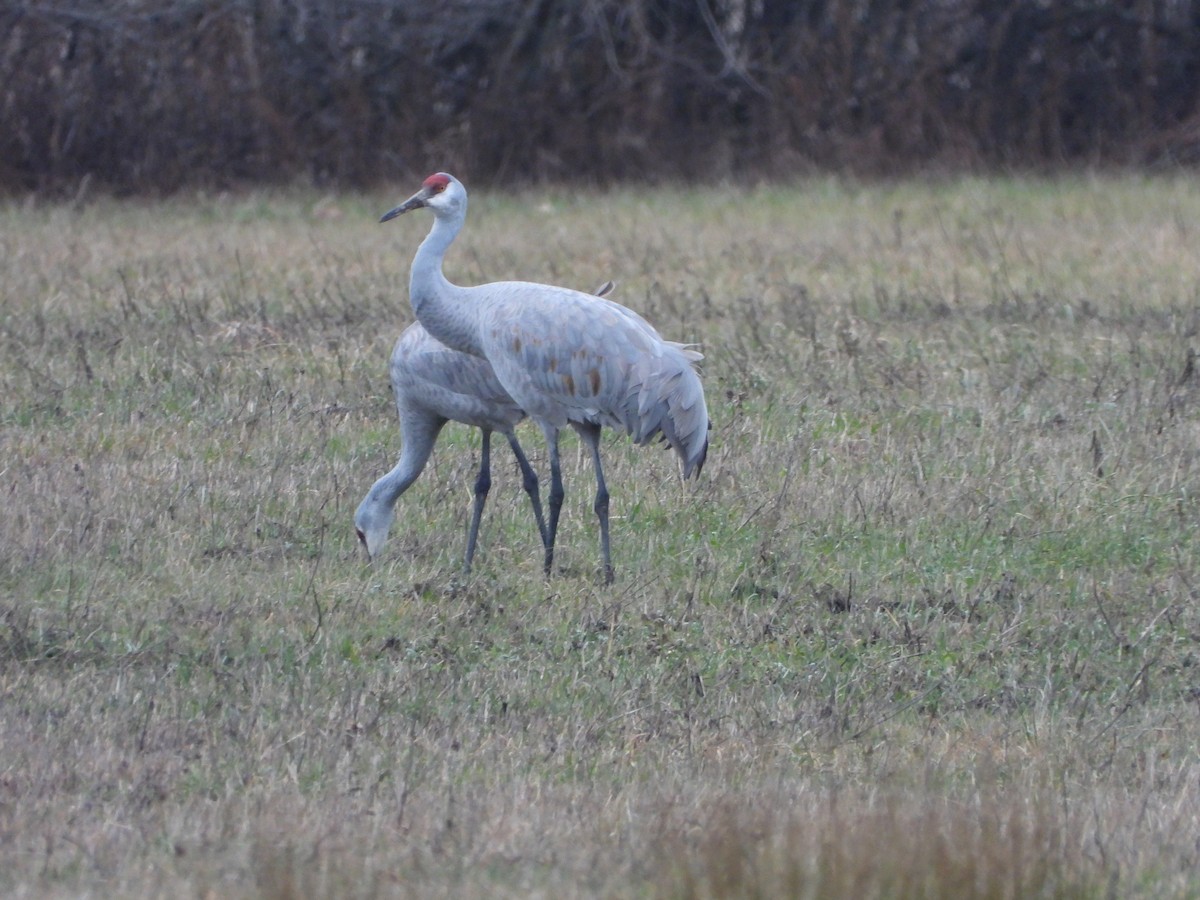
926,626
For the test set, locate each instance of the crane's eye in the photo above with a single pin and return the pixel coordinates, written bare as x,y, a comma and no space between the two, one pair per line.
435,184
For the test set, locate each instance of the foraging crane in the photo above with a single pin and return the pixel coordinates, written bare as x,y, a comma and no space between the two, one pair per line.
565,357
432,385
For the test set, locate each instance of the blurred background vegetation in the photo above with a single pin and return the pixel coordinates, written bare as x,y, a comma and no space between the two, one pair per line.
157,95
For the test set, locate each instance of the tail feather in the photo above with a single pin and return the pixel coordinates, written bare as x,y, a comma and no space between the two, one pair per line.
664,397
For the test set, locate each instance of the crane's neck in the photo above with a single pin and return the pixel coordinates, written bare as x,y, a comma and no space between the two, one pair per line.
440,306
419,438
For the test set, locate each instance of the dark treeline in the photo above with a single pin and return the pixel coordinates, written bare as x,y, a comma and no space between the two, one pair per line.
155,95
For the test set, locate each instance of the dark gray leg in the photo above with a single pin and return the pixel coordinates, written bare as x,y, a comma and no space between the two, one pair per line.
591,437
482,485
556,493
530,482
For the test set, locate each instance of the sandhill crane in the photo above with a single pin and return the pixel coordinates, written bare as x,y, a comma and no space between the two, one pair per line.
565,357
432,385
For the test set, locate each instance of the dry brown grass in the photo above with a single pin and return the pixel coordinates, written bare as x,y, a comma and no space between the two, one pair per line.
926,628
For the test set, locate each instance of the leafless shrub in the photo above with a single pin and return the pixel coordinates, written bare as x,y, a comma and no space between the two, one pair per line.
139,95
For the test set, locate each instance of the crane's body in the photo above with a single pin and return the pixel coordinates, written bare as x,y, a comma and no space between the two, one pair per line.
564,357
432,385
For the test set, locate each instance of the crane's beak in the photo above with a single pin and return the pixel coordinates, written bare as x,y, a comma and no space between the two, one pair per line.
416,201
362,539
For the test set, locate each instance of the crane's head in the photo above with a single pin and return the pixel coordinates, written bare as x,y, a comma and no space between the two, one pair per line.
372,522
440,192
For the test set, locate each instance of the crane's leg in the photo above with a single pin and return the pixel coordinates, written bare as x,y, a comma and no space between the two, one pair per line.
530,483
591,437
556,491
482,485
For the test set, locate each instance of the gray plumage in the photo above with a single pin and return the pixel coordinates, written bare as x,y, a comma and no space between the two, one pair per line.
565,357
432,385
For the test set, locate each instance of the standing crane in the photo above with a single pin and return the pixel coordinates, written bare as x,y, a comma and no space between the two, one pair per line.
432,385
564,357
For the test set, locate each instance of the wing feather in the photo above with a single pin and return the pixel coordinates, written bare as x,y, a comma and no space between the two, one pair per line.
430,376
565,356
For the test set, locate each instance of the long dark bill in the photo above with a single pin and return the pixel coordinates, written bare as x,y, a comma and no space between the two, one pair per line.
416,201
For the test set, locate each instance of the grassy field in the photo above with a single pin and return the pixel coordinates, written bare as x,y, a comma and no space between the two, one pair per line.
927,627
